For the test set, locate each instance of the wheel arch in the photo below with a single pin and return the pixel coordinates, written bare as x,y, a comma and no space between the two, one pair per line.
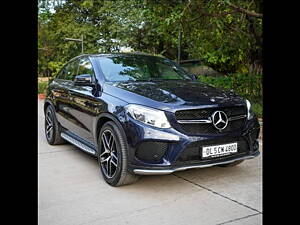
101,120
47,103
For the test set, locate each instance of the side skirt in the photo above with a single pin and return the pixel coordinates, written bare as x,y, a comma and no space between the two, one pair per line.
83,145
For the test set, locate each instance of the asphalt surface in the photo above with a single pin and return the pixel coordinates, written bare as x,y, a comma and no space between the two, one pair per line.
71,191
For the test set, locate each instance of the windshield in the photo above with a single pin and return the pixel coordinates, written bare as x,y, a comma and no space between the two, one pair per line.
140,68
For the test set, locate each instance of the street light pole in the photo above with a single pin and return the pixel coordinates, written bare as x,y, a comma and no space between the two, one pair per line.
82,44
179,46
78,40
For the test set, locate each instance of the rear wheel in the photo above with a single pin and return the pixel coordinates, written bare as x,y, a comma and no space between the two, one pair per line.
232,164
112,156
52,128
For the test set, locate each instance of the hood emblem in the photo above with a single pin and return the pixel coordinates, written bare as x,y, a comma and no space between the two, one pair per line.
220,120
212,100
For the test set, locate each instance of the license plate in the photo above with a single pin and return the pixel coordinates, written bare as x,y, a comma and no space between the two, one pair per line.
219,150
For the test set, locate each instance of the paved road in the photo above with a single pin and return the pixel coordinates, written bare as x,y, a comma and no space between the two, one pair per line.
71,191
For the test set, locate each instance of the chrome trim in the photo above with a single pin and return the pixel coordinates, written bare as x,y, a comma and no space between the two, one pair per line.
169,171
152,172
237,117
209,120
195,121
78,143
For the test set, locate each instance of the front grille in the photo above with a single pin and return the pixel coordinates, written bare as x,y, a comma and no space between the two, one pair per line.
192,153
151,151
195,114
208,128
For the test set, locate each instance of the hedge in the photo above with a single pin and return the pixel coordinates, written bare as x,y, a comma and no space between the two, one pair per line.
248,86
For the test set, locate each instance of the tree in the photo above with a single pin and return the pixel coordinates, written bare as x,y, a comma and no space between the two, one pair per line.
226,35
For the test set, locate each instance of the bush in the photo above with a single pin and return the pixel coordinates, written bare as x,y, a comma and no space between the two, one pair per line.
248,86
55,67
42,87
258,109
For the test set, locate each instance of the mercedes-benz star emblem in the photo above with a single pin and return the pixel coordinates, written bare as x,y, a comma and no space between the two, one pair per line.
220,120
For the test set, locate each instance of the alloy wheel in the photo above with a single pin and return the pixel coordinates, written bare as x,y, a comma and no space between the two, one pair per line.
108,154
49,125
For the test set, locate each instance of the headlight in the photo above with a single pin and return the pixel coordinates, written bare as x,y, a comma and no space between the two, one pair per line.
250,112
153,117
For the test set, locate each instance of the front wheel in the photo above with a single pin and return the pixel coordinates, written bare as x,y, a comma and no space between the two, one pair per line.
112,156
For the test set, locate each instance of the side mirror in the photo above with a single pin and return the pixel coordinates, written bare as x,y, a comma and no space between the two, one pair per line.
83,80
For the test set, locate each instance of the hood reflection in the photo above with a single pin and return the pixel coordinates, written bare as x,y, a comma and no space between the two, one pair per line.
178,92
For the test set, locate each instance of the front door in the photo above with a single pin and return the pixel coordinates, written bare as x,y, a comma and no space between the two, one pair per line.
84,103
60,89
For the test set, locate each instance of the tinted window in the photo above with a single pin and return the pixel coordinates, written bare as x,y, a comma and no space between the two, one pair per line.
62,73
71,70
140,68
85,67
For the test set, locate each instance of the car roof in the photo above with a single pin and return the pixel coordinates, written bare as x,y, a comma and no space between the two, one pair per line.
117,54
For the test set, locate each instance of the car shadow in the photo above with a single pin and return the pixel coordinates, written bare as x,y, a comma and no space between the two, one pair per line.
224,176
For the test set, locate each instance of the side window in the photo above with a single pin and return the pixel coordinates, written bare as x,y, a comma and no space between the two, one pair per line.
85,67
62,73
71,70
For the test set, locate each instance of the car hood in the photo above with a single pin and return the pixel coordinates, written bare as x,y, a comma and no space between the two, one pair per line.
171,94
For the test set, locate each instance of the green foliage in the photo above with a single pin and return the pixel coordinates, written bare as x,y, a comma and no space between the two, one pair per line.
258,109
42,87
225,39
246,85
55,67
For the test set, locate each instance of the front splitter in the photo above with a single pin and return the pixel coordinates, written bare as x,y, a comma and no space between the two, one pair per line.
169,171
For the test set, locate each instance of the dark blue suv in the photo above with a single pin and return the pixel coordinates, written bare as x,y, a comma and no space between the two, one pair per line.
144,115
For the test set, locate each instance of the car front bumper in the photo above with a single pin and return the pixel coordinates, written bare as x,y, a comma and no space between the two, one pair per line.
172,170
179,147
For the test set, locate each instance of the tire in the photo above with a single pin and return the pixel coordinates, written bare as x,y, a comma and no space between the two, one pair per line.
52,128
232,164
112,156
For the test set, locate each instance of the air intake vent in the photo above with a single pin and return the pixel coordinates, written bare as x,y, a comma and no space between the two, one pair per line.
151,152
